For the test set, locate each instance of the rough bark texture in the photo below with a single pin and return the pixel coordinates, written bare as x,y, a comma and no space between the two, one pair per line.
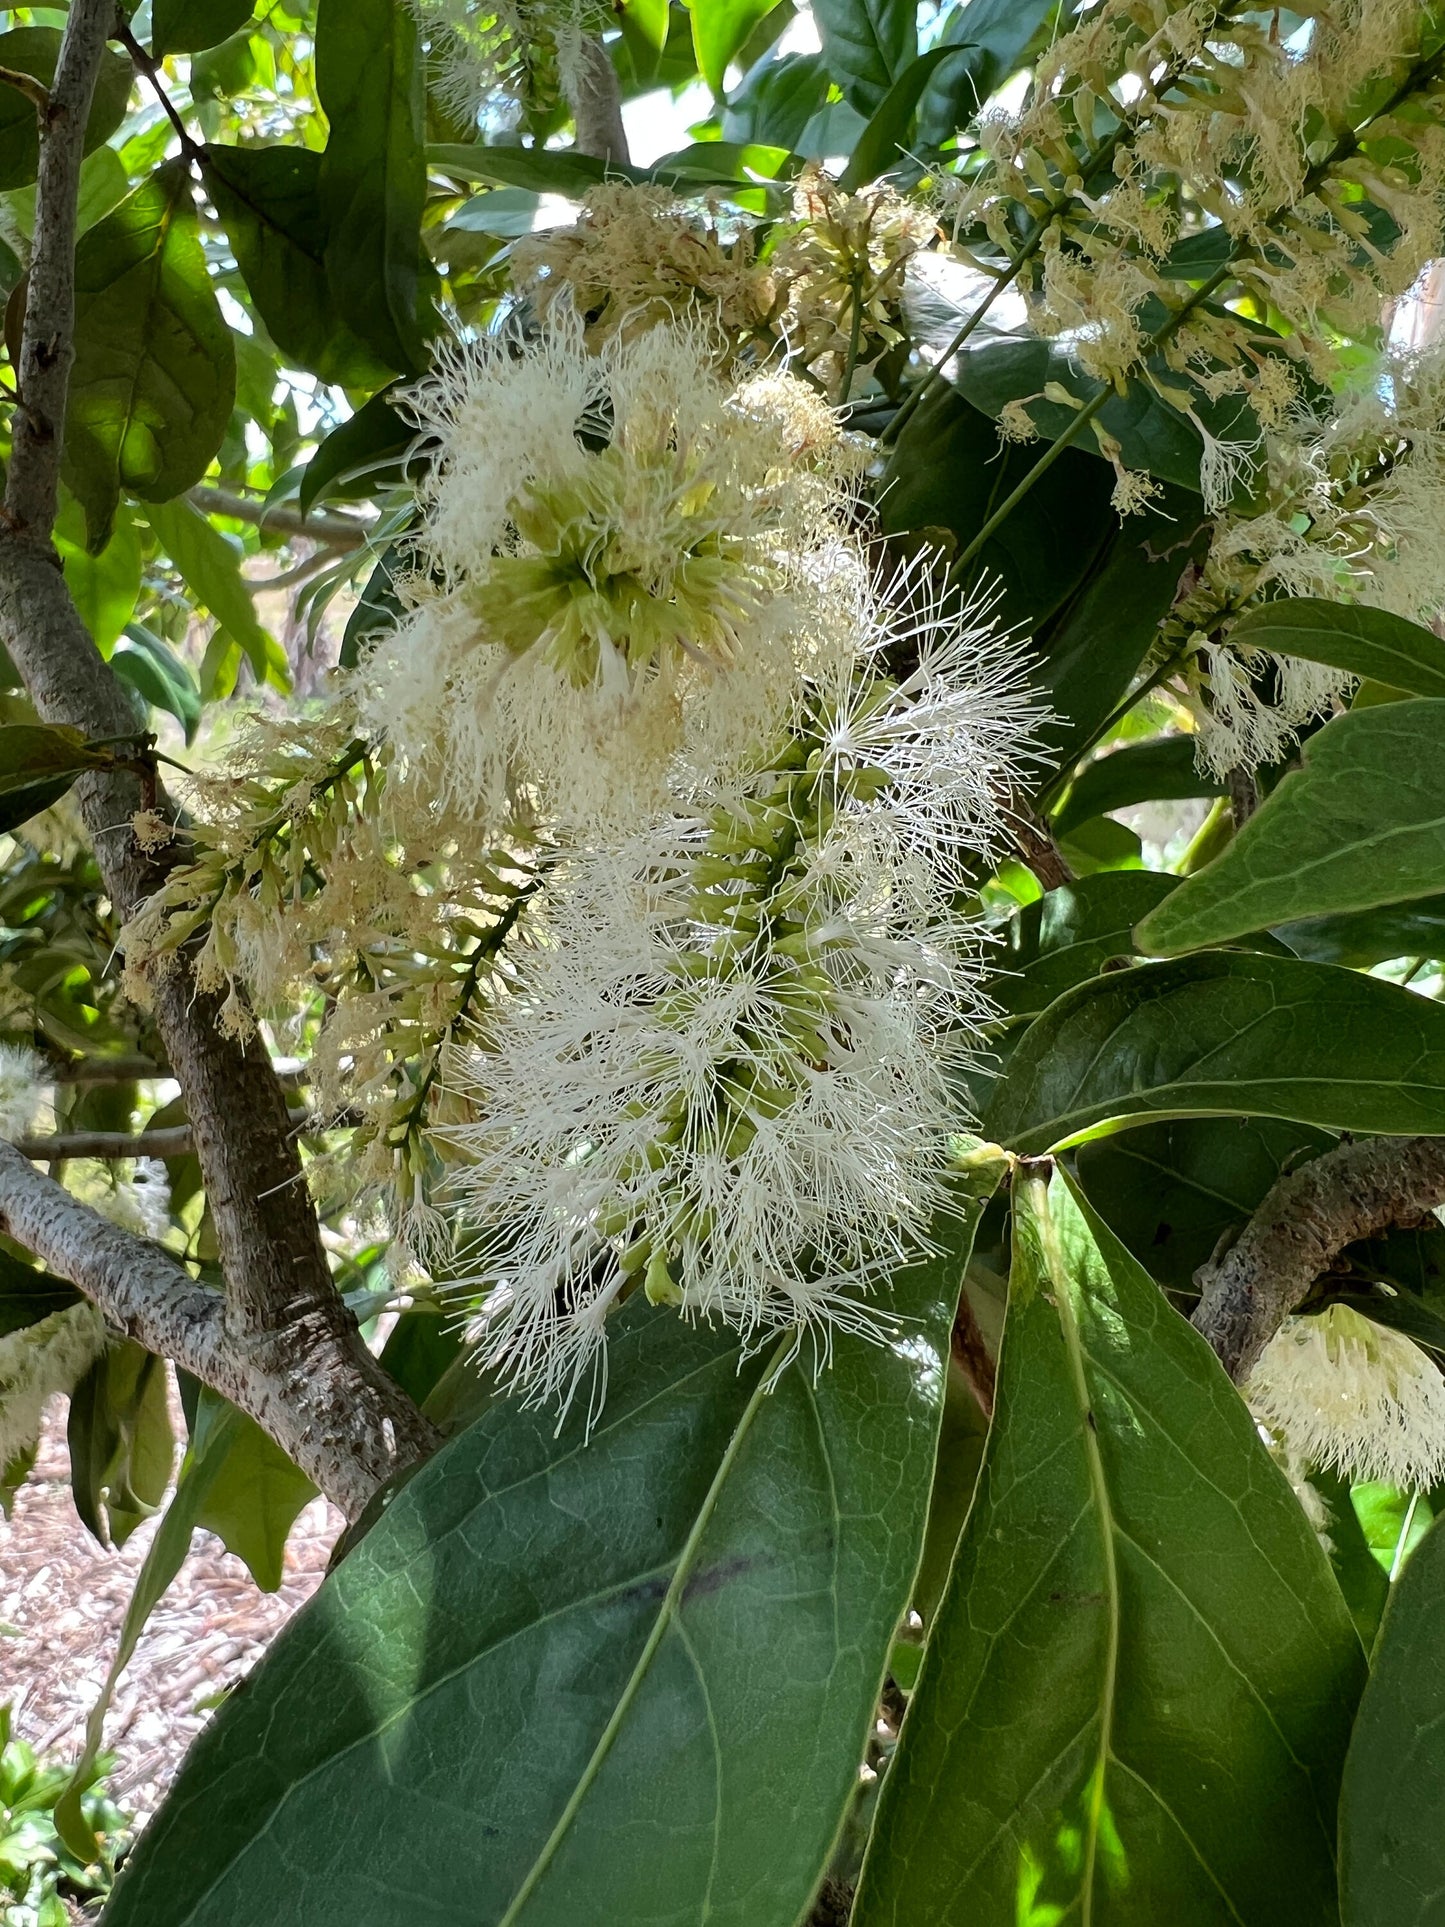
1309,1216
280,1297
596,102
280,1379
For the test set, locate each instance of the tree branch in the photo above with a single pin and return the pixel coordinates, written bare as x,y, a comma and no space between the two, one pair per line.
279,1289
331,531
1034,844
167,1141
596,102
289,1382
1355,1191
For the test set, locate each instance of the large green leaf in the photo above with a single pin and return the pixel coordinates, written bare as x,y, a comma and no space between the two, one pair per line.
369,80
1368,937
1136,1695
190,26
988,39
27,1296
1067,936
252,1500
212,572
776,99
1226,1033
1368,642
38,764
34,51
155,372
104,587
622,1679
270,201
1392,1807
867,45
1172,1191
157,674
720,28
883,142
1359,824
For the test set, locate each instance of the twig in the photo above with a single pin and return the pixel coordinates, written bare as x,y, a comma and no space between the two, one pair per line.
1357,1190
145,65
35,91
277,518
1034,844
1243,795
169,1141
289,1071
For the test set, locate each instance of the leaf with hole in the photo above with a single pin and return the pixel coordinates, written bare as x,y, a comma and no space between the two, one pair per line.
1225,1033
155,372
622,1679
1137,1574
1360,824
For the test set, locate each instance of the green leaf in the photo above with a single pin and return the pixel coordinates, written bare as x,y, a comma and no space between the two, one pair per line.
269,199
1136,773
120,1440
156,672
38,764
211,569
776,99
357,455
867,45
1141,1652
27,1296
373,176
1069,934
155,372
252,1500
719,29
1370,936
1359,824
1392,1807
989,40
34,51
543,169
104,587
649,19
1370,643
557,1649
164,1558
1173,1191
884,137
1225,1033
190,26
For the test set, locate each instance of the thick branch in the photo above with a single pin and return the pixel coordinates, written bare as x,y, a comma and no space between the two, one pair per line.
596,102
331,531
292,1383
1309,1216
279,1290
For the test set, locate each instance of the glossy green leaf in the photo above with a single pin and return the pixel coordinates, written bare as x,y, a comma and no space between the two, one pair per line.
121,1446
884,139
34,51
720,28
1368,642
269,199
989,39
1173,1191
104,587
626,1679
868,44
1359,824
253,1494
373,176
649,18
155,372
211,569
776,99
359,455
1368,937
1226,1033
543,169
1134,773
1068,935
190,26
1141,1653
1392,1807
158,675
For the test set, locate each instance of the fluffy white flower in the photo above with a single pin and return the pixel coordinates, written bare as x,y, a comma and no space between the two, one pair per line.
37,1362
482,51
726,1072
1257,705
23,1082
1346,1395
621,559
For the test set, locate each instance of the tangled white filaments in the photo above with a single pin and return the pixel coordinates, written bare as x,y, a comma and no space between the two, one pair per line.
727,1071
1343,1394
622,558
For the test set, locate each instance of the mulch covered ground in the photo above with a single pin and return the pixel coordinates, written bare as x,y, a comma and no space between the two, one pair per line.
62,1599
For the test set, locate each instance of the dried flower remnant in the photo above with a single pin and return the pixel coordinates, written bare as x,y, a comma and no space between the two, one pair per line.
1343,1394
638,257
723,1073
622,560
